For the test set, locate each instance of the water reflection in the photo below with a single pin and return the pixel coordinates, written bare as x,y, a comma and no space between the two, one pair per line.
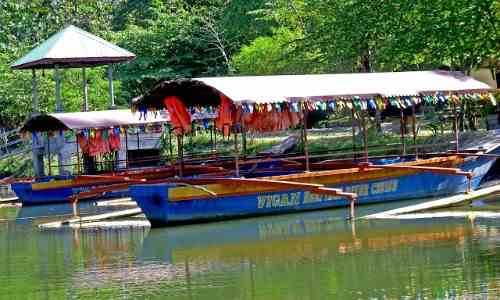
304,256
375,259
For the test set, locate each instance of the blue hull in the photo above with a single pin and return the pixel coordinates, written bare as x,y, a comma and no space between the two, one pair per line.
153,198
28,196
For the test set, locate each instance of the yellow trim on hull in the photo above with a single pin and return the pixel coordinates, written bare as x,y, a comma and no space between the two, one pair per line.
330,177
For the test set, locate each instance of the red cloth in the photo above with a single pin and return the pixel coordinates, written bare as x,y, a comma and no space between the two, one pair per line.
83,142
179,115
225,119
114,141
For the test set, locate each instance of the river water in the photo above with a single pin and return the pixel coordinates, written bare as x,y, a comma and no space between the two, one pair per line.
315,255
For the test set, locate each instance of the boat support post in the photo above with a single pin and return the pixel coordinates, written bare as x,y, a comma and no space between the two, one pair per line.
126,148
304,133
180,152
365,138
214,145
353,124
236,154
77,155
414,129
402,131
243,139
48,154
455,126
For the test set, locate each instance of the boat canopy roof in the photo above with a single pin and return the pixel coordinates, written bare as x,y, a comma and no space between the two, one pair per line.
70,48
286,88
98,119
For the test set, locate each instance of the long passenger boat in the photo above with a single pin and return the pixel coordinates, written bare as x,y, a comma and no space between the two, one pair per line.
222,198
268,103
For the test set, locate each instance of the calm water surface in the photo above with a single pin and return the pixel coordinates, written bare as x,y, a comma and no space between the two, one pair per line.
314,255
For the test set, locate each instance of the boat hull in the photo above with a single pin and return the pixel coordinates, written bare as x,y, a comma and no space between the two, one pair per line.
59,189
29,196
157,203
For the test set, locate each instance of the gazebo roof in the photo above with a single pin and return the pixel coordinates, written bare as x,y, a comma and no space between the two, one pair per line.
73,47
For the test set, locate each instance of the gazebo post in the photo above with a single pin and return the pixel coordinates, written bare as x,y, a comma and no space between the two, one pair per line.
85,90
59,108
34,93
111,89
57,79
36,154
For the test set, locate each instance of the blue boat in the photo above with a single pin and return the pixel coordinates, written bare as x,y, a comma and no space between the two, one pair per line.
272,103
172,203
59,189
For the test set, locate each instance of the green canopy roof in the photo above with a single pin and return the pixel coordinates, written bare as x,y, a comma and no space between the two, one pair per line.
70,48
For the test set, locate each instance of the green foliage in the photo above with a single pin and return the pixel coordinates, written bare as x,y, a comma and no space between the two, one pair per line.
357,35
189,38
17,166
276,54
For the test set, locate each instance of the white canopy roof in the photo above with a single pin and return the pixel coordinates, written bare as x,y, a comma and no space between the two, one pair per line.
115,118
107,118
266,89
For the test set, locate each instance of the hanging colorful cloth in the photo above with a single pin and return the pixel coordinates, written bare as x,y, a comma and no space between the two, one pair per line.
83,142
114,140
179,115
225,119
